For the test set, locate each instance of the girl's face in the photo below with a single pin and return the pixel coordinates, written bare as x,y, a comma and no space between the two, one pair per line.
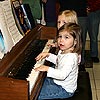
66,42
61,20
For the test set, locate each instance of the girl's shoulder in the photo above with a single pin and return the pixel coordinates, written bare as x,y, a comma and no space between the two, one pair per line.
72,55
68,54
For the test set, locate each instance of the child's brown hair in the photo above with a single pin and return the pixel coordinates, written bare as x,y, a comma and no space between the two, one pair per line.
75,30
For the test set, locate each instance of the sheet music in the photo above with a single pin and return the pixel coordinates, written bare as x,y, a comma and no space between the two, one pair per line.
8,26
10,22
1,55
3,27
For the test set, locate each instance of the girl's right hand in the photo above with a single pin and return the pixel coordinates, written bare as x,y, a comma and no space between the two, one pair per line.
42,55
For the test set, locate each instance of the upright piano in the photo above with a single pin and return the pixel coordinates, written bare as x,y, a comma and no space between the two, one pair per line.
16,65
18,60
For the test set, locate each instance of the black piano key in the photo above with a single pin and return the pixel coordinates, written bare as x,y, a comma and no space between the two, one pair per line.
29,61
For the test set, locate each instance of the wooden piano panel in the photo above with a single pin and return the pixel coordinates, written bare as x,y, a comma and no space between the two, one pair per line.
48,33
12,89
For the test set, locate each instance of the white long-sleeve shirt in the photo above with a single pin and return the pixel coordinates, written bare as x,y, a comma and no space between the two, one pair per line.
65,72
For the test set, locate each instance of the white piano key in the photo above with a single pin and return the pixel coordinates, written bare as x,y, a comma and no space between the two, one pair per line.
34,74
32,79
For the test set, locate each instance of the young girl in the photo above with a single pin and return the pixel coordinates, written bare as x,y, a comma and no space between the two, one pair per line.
61,81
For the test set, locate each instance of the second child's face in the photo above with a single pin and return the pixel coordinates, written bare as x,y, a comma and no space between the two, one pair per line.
65,42
61,20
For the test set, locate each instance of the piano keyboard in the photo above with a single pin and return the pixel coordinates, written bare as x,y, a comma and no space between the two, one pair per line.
34,74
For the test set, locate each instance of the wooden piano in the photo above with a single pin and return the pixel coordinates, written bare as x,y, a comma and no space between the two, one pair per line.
13,83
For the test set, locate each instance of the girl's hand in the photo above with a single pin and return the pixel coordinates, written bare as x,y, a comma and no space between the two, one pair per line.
42,68
88,9
44,1
51,45
21,1
42,55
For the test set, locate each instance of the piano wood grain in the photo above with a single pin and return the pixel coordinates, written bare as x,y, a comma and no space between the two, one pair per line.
12,89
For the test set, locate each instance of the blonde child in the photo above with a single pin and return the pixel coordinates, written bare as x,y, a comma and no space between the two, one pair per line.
61,81
66,17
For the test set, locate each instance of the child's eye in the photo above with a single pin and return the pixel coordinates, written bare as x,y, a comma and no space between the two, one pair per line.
59,36
64,22
58,21
66,37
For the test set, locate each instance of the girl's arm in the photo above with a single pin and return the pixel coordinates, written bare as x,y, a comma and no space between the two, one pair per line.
65,67
50,57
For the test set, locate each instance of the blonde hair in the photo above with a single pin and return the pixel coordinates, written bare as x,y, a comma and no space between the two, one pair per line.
70,15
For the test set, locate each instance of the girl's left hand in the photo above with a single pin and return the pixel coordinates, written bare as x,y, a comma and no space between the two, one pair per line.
42,68
42,55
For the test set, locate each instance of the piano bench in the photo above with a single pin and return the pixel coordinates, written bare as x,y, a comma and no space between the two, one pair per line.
83,91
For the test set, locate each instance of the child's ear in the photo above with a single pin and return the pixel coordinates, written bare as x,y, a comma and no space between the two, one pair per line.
75,42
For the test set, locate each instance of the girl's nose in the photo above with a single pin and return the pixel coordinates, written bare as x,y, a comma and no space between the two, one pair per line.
61,39
60,25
